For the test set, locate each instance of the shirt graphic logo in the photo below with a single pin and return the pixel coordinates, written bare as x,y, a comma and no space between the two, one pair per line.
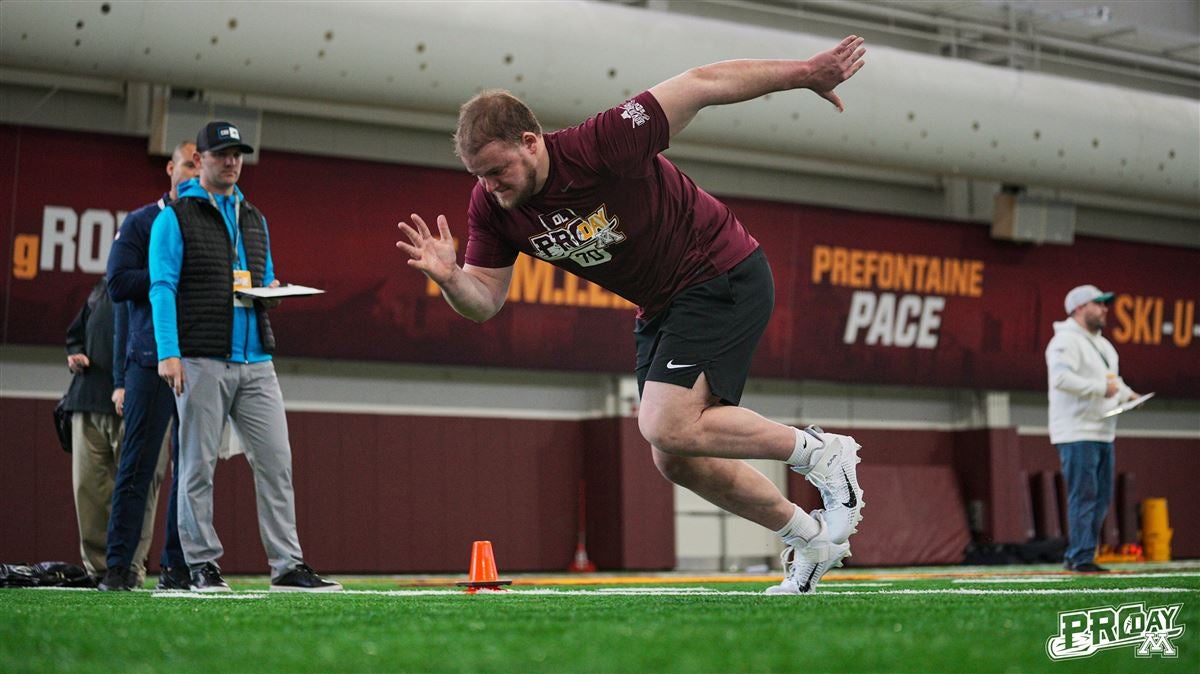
634,112
583,241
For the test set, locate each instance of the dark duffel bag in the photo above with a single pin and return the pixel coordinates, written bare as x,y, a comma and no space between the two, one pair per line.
62,424
18,575
62,574
45,574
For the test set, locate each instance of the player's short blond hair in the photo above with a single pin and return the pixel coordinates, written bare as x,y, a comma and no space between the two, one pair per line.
492,115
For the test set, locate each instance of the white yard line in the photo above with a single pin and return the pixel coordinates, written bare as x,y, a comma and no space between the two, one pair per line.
653,591
1164,574
849,584
828,589
1016,579
176,594
1033,591
1058,579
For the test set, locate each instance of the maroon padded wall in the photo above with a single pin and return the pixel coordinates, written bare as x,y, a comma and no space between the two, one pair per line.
630,506
404,493
928,527
1160,467
388,494
894,475
398,494
993,468
35,486
987,463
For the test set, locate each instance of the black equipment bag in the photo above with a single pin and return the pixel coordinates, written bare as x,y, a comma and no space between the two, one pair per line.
45,574
62,424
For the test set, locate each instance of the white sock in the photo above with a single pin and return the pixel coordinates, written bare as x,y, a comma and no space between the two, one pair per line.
800,529
805,444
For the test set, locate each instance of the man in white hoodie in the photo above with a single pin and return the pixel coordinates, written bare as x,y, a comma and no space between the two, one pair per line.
1084,384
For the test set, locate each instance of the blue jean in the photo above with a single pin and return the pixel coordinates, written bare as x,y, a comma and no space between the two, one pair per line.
1087,468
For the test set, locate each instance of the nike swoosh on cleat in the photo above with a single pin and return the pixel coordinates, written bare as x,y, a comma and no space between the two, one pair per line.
849,487
808,582
672,365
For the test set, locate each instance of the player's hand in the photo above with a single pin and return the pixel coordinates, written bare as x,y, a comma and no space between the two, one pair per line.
1111,388
78,362
118,401
830,68
171,371
435,256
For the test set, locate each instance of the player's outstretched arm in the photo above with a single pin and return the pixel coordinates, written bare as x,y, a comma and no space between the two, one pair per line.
476,293
682,96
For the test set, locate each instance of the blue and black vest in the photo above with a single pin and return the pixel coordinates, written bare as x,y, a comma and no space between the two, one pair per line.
204,298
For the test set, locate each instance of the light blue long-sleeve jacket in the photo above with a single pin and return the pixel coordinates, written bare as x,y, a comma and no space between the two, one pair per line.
166,258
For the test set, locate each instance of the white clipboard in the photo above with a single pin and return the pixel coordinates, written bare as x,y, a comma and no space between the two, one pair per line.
291,290
1132,404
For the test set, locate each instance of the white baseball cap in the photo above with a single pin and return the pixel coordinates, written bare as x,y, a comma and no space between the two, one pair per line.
1082,295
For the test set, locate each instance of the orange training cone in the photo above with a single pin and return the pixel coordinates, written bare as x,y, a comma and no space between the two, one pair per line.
581,563
484,575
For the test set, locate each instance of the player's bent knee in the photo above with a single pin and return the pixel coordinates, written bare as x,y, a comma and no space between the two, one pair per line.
677,469
669,414
669,430
665,433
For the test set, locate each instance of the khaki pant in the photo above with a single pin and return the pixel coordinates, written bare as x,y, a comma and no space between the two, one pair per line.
96,451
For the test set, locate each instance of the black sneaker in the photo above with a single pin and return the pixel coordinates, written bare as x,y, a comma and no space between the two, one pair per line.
1088,567
174,578
208,578
303,579
118,579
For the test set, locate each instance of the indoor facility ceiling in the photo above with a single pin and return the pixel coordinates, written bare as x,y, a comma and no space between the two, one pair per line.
1149,45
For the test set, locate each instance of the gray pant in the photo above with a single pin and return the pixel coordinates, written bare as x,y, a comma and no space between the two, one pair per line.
214,389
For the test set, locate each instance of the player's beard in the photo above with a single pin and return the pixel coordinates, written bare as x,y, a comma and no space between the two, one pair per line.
521,193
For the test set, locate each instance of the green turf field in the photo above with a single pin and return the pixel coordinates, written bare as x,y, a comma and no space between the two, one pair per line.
998,620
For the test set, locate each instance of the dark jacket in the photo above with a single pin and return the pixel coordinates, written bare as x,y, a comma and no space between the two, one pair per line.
91,333
129,283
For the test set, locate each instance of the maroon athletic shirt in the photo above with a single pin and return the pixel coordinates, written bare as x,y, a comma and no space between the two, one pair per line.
614,212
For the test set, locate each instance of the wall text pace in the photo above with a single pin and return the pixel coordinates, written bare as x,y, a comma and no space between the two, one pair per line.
888,318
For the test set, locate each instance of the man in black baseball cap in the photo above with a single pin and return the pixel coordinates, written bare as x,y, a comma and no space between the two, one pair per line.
206,246
219,150
216,136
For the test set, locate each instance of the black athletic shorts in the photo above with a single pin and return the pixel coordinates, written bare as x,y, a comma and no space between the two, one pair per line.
712,327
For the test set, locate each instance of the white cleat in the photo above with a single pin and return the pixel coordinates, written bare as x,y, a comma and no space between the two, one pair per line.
805,565
834,472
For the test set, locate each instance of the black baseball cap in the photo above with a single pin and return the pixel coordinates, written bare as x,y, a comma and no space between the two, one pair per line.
219,136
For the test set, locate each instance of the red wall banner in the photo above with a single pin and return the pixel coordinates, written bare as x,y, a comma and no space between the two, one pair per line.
860,297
